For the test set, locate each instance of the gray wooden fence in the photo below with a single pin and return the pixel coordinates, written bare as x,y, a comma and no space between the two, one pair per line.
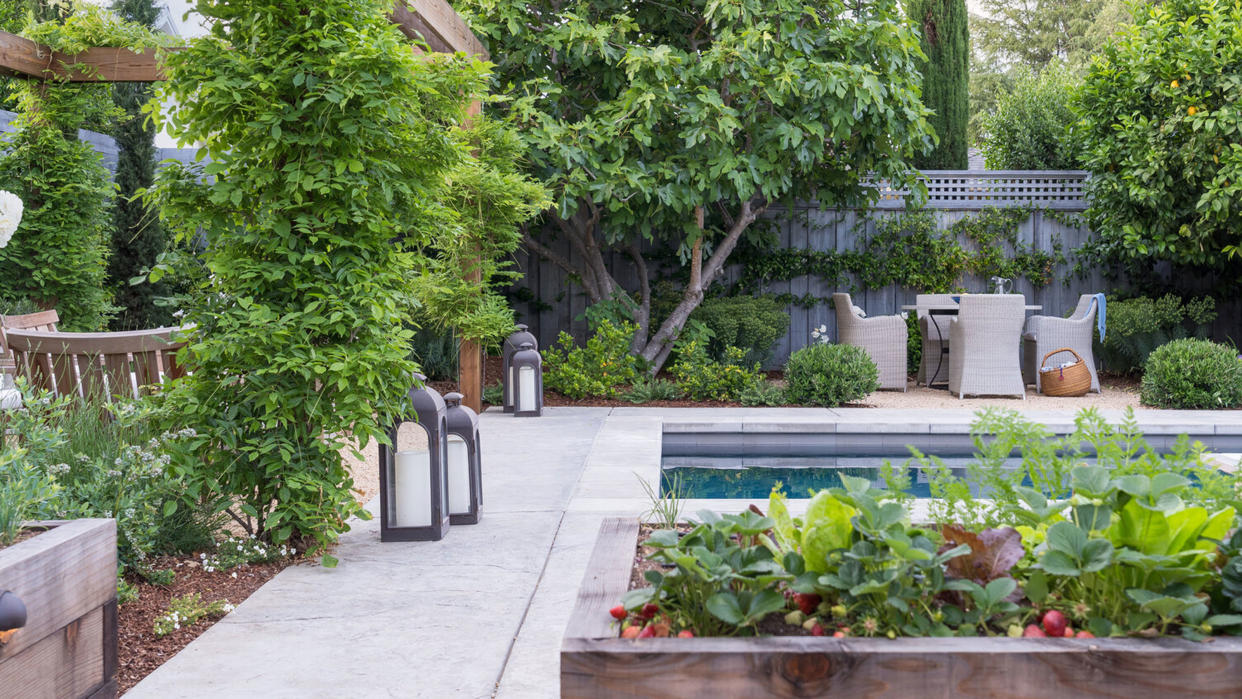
549,302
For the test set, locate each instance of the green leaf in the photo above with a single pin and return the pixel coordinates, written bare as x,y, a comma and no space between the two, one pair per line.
763,603
724,606
170,507
1066,538
1096,555
328,561
1037,587
1059,563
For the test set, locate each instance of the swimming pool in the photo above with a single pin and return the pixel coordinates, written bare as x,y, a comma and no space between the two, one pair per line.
753,477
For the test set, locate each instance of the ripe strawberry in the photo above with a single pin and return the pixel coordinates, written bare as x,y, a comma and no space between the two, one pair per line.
817,630
649,610
1069,631
686,633
808,602
631,632
838,634
647,632
1084,634
617,612
1055,623
1033,631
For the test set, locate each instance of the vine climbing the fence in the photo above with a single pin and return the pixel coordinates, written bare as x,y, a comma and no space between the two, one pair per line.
908,250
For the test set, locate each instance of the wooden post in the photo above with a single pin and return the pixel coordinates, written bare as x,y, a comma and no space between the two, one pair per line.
470,357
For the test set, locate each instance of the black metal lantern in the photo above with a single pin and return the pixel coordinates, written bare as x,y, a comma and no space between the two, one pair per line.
527,368
465,466
414,484
12,614
512,344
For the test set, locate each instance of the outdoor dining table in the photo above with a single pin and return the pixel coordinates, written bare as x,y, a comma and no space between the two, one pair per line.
945,309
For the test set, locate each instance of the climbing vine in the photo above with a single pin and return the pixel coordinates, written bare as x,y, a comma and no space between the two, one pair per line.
907,250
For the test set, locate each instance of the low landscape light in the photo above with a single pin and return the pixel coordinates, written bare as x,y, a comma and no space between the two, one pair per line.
527,368
507,377
465,467
413,482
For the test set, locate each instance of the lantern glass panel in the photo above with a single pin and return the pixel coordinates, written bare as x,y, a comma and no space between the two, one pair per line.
410,478
458,475
526,390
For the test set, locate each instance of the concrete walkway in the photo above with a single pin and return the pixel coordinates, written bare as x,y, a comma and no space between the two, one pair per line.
482,612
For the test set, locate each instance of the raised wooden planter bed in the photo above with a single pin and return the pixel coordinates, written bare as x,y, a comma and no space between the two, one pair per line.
66,576
596,663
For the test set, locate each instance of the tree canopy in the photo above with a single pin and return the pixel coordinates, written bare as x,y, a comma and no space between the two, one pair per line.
942,26
1160,124
681,124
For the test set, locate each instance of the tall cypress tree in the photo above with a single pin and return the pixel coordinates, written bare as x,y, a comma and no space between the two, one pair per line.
946,78
137,236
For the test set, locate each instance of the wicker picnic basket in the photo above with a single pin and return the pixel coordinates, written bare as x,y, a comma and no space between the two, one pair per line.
1072,380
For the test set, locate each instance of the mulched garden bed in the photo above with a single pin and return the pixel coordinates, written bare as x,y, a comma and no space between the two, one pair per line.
140,650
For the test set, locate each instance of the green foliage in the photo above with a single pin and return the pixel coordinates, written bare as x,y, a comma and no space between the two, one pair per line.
58,257
467,258
1193,374
111,461
1134,544
641,117
945,41
187,610
236,552
1139,325
763,394
830,375
1029,129
1039,32
647,390
1160,134
752,323
138,237
327,140
722,581
914,341
494,394
601,368
436,352
26,484
908,250
701,377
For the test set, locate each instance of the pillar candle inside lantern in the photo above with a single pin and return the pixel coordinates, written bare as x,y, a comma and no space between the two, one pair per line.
412,473
458,476
526,375
508,395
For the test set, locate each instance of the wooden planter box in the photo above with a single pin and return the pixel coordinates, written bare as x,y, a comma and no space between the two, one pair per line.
66,576
596,663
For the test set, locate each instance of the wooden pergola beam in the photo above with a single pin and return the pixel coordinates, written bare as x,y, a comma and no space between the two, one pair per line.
436,23
20,57
432,21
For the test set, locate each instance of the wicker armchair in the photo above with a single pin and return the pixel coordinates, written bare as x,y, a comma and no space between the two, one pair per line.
935,331
985,339
1044,334
883,337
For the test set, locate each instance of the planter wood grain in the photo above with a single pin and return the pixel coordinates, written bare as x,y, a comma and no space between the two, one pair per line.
66,576
596,663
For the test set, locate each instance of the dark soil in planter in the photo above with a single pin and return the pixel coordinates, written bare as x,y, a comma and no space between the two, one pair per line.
140,650
24,534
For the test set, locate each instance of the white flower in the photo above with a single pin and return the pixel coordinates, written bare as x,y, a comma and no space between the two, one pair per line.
820,335
10,215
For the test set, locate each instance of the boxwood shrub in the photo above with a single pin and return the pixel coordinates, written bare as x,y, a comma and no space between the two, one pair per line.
830,375
1192,373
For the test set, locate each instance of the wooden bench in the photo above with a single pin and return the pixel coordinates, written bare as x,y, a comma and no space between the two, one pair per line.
43,320
96,365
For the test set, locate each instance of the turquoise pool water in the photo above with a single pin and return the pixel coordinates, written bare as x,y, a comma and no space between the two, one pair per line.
752,477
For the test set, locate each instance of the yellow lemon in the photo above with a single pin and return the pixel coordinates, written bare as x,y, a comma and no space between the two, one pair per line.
1173,84
1191,111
